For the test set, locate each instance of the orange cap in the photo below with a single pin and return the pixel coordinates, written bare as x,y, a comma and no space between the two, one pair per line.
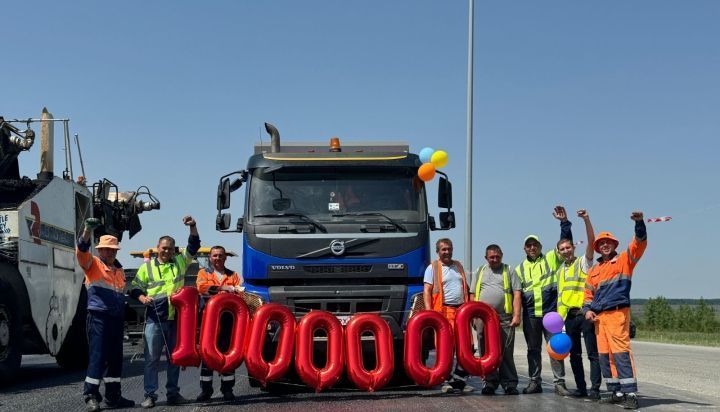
604,235
108,242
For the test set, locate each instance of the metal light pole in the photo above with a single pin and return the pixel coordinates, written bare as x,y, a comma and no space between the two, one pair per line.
469,151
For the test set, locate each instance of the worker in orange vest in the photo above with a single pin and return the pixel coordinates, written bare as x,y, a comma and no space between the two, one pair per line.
446,288
607,303
105,283
211,281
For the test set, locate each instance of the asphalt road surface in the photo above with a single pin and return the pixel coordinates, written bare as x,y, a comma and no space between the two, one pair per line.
672,377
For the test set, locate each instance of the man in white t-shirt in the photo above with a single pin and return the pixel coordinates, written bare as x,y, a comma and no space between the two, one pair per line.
571,289
446,288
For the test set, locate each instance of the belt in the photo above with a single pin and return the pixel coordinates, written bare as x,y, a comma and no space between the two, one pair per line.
575,312
452,306
616,307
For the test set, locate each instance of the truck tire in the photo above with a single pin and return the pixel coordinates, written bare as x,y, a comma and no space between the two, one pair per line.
11,334
73,354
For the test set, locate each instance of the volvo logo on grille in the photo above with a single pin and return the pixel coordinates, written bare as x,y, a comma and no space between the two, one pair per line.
279,268
337,247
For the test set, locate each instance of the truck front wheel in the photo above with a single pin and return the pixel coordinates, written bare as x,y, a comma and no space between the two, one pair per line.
73,353
11,337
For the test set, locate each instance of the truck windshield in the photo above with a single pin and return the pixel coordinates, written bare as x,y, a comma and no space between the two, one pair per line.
338,194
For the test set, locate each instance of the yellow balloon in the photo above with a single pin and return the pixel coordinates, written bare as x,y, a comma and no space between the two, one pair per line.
439,158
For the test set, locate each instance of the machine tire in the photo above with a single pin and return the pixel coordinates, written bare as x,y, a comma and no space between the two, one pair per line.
11,334
73,354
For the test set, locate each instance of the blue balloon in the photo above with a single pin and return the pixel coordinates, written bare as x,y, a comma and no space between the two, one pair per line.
425,154
560,343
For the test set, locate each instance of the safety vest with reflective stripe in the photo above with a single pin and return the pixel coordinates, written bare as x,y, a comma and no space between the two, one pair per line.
571,287
159,281
539,284
506,287
438,295
105,284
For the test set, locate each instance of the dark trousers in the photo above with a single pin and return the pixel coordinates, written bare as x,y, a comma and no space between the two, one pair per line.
227,380
506,375
534,331
575,326
105,341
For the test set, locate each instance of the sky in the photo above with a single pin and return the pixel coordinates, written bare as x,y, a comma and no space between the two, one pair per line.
611,106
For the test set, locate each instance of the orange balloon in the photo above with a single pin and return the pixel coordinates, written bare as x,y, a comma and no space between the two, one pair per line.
554,355
426,172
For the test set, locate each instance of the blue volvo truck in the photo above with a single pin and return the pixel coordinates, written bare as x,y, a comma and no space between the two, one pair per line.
341,228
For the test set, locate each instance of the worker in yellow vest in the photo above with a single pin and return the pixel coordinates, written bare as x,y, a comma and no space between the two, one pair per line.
539,297
498,285
571,293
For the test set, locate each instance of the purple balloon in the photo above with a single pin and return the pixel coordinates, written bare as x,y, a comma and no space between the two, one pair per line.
553,322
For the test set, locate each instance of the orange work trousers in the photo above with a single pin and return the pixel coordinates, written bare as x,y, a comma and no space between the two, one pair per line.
612,330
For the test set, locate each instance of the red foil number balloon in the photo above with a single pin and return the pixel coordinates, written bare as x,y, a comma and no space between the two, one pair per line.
444,344
491,330
257,367
304,344
209,351
385,359
186,304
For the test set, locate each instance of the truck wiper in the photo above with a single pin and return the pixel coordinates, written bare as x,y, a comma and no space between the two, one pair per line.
386,217
301,216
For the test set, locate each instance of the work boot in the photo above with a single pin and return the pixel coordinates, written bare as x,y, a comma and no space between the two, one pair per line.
593,394
447,388
613,398
578,393
512,391
92,405
148,403
467,389
533,387
561,389
204,396
488,390
119,403
228,396
176,400
631,401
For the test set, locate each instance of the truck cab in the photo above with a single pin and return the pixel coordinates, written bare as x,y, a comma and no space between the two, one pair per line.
344,229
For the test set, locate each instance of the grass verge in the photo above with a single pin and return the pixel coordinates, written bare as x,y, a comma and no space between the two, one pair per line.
684,338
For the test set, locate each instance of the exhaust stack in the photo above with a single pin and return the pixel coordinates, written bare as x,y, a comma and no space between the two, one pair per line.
47,138
274,138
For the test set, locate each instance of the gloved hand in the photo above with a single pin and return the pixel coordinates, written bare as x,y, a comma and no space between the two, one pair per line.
92,223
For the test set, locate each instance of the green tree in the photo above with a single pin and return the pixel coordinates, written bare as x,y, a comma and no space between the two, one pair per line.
685,319
705,318
658,314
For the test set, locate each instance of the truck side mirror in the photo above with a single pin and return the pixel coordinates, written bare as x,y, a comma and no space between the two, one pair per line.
240,223
447,220
223,194
431,223
445,193
222,221
235,185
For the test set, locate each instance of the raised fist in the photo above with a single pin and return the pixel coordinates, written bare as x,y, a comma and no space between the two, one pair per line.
92,223
636,215
188,221
582,213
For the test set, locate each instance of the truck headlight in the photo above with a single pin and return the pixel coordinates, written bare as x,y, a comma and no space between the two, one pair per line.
417,303
252,300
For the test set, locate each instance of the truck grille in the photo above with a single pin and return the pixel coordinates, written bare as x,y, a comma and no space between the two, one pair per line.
337,268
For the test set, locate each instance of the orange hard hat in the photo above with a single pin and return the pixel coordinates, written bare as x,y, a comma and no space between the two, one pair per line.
604,235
